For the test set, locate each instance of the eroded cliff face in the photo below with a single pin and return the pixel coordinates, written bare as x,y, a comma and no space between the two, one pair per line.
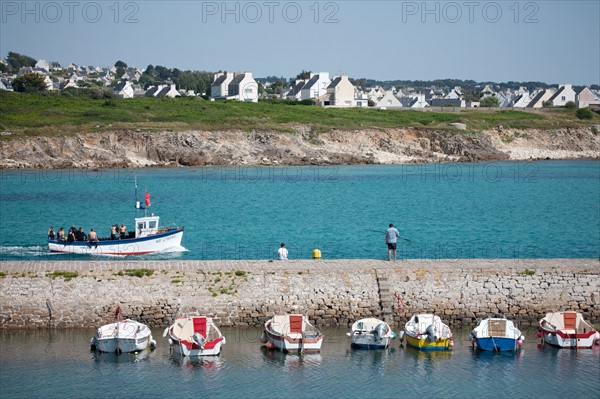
197,148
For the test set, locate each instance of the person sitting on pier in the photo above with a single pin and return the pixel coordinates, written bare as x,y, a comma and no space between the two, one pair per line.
123,231
113,232
51,234
92,239
61,234
80,235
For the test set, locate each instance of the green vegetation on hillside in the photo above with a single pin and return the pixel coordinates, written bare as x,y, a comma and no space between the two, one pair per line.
26,114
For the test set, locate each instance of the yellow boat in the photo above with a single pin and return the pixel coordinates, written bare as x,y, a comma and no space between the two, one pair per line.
427,332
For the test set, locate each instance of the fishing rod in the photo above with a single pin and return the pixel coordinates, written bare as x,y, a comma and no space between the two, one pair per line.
378,231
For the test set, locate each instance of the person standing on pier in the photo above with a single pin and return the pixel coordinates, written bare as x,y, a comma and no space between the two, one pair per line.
391,236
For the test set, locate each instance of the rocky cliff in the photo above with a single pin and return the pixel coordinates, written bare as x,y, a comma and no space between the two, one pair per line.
301,147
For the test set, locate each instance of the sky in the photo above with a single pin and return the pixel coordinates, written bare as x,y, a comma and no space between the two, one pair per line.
548,41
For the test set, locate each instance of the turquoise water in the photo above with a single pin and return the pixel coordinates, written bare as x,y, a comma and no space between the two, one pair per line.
58,364
478,210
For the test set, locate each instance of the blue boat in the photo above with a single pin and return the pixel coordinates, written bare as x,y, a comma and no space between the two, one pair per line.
497,334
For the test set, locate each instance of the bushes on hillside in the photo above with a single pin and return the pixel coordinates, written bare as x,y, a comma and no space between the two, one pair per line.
584,113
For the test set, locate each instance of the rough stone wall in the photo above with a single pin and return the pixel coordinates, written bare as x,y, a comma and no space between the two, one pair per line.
331,293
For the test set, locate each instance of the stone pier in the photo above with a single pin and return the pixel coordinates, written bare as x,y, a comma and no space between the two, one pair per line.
74,294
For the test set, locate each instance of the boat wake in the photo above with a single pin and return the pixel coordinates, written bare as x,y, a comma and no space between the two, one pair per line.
19,252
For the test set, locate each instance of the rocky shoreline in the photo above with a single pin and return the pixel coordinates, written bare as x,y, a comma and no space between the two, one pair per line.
303,146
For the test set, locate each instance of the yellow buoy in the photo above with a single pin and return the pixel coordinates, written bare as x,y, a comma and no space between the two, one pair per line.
316,254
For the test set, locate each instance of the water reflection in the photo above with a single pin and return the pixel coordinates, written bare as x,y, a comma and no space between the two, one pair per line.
213,363
111,357
289,360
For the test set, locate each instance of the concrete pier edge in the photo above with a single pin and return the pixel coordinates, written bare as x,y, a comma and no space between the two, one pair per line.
245,293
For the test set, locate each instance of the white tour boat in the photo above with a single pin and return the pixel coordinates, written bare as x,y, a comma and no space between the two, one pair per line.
147,238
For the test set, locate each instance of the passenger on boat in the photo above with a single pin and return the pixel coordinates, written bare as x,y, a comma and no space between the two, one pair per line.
61,234
123,231
51,234
92,238
113,232
71,236
80,235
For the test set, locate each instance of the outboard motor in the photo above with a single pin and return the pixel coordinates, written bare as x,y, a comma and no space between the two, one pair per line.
199,340
379,332
431,333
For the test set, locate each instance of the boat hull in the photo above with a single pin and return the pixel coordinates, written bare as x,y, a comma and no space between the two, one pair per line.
497,334
308,344
122,337
123,247
362,342
422,344
211,348
496,344
563,339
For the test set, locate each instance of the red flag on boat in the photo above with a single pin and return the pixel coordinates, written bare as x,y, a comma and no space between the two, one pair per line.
147,198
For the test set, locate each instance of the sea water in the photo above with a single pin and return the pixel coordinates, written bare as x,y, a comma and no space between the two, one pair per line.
544,209
59,364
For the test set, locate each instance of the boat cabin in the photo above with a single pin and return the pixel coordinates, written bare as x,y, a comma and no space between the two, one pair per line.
146,226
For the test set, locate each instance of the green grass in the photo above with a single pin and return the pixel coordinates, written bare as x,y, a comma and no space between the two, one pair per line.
135,272
526,272
66,275
27,115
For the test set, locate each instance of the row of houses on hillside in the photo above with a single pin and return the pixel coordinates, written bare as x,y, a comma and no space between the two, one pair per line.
234,86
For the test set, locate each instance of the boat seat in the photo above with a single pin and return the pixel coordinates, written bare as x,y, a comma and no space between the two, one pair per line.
569,331
570,320
200,326
295,335
497,328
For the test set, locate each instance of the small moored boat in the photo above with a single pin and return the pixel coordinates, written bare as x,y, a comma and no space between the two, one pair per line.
292,333
497,334
371,333
427,332
195,336
567,329
124,335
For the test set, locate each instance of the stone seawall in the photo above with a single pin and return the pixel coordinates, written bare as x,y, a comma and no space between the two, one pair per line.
335,292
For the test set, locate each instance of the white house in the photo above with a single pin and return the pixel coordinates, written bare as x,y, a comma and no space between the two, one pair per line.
243,87
563,95
586,97
42,64
541,96
168,91
295,92
49,83
521,100
220,85
316,86
388,101
454,94
340,93
123,89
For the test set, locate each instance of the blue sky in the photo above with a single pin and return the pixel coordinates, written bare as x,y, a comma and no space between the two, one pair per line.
550,41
